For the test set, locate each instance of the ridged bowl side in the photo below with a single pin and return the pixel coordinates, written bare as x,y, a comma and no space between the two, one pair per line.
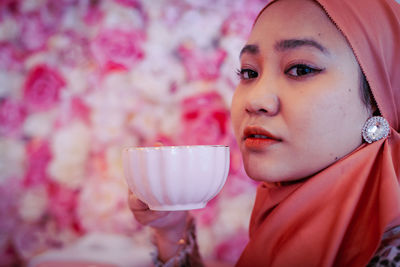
176,178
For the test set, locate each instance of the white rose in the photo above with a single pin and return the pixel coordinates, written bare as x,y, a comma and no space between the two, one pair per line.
39,124
206,240
201,27
33,204
103,206
8,29
235,213
12,156
119,16
152,119
109,107
31,5
76,80
114,162
11,83
70,147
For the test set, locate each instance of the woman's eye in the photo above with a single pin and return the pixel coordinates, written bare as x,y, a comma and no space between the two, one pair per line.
246,74
301,70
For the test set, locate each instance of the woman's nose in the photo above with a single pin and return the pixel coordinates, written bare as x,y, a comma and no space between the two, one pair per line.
263,103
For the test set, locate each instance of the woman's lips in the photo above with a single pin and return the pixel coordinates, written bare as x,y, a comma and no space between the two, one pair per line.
257,138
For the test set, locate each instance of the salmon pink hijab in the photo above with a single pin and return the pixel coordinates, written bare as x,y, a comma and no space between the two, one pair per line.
338,216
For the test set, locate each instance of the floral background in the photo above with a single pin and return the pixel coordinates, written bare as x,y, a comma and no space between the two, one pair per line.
80,80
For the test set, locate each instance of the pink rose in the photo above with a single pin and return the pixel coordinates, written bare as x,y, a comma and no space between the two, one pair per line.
30,240
42,88
117,49
73,109
38,25
201,65
79,109
62,206
10,192
93,13
160,139
34,33
8,255
236,163
8,4
39,156
206,217
230,250
73,51
10,57
12,115
205,120
130,3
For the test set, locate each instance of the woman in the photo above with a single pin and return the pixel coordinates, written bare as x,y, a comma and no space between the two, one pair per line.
312,74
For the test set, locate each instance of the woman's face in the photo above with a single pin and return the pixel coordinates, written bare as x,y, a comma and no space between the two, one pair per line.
298,107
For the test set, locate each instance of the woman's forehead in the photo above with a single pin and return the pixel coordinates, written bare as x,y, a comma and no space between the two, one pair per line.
288,23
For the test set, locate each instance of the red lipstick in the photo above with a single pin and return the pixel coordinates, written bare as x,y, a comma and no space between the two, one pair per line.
257,138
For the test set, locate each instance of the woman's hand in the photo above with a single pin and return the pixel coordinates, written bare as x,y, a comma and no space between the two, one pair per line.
169,226
159,220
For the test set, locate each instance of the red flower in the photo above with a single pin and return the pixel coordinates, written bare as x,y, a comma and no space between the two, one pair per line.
73,109
12,114
10,57
201,65
62,206
42,88
39,156
93,13
130,3
117,49
205,120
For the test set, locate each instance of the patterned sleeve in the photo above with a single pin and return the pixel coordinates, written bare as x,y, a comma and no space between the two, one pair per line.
188,255
388,253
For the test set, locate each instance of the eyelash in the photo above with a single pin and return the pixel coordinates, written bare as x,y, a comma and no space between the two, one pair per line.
312,70
242,72
251,74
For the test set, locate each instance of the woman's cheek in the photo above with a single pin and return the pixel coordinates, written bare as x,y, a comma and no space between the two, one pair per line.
235,114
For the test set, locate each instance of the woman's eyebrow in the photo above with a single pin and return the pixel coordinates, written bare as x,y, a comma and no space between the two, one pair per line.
289,44
249,48
286,44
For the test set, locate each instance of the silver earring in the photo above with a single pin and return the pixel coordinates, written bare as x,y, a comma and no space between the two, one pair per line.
375,128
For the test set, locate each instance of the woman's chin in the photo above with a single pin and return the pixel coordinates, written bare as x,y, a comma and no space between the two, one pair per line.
272,176
262,175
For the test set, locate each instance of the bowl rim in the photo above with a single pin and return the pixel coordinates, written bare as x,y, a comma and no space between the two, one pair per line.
136,148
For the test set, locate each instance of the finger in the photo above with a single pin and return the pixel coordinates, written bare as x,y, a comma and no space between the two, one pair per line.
158,144
136,204
167,219
146,217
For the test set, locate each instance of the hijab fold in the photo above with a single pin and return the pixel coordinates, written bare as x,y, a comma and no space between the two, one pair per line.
338,216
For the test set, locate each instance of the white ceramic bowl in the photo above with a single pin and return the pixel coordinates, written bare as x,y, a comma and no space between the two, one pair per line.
176,177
